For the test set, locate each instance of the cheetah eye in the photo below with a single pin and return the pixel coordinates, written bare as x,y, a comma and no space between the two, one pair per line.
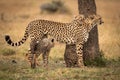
80,24
91,18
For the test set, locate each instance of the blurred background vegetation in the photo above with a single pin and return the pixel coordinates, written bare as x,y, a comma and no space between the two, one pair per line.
16,14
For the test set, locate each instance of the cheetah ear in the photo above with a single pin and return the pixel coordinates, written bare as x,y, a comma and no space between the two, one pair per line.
82,16
79,16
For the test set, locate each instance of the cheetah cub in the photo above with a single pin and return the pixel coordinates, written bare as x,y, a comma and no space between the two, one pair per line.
41,47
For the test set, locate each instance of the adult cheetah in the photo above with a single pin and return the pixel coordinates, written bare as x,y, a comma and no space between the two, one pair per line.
76,32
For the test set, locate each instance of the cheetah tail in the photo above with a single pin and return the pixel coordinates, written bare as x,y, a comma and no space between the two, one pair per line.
10,42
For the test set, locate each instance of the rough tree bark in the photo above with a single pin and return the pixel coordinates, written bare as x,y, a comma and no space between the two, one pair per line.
91,47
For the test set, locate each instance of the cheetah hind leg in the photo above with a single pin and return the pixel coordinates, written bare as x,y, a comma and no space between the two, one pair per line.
79,51
29,57
33,47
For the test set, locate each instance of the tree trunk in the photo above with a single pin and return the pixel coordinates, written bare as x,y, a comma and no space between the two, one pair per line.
91,47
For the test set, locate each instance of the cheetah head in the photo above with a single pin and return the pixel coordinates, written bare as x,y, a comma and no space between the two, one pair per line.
47,43
94,20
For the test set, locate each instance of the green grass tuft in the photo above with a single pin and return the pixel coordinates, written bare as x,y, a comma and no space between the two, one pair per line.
98,61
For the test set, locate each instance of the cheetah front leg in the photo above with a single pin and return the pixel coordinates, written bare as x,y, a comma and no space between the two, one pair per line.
45,56
79,51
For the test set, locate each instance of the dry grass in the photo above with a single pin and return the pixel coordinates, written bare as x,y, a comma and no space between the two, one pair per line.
55,71
17,14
